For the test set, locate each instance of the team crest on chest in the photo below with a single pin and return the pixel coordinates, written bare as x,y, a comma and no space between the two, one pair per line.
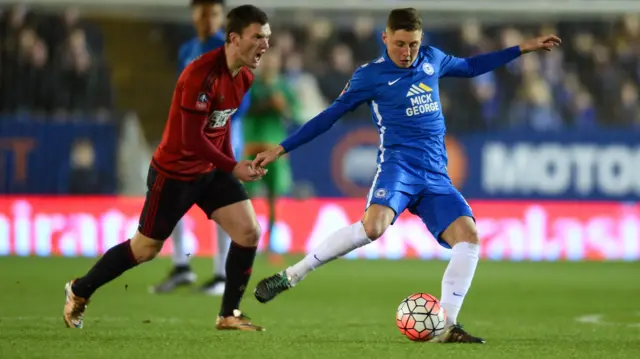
428,69
202,102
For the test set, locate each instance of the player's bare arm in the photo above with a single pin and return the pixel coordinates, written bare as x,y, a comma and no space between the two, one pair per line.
263,159
356,92
347,101
545,43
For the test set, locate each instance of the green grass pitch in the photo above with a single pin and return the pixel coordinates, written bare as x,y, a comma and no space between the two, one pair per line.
344,310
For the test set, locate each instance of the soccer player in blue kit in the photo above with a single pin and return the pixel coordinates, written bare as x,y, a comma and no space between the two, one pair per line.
401,88
207,17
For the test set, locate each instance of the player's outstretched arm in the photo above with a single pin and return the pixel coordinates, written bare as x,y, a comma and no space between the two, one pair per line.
357,91
481,64
307,132
546,43
315,127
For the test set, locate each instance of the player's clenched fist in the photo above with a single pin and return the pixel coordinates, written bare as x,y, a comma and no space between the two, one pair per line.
267,157
246,172
546,43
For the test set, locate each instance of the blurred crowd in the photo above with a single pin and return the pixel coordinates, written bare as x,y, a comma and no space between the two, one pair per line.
52,66
591,81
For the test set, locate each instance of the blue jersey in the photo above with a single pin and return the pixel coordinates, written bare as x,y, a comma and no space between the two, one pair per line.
194,48
405,106
188,52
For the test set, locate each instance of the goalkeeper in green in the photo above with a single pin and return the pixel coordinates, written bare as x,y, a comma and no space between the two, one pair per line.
273,104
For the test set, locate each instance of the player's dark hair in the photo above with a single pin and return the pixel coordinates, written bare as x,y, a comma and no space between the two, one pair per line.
242,16
207,2
406,19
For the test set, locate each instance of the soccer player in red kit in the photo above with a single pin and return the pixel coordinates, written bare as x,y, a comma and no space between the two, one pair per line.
194,164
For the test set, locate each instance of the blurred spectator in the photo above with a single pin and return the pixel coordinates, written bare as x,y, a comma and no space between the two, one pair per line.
317,44
628,112
62,26
36,88
342,67
485,92
552,67
534,108
10,25
471,38
84,80
285,42
627,44
336,78
48,67
363,40
585,83
14,65
84,178
305,86
583,113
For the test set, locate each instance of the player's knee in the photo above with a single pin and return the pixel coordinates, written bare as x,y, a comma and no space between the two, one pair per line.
144,248
470,235
376,220
374,229
247,236
462,230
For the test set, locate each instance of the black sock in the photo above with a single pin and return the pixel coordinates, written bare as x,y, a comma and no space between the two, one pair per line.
239,266
117,260
181,268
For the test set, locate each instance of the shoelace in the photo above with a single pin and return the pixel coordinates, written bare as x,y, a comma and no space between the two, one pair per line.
276,282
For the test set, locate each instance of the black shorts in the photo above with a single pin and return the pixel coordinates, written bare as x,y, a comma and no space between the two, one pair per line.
169,199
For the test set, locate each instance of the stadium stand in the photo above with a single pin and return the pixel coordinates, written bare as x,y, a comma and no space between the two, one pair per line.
52,66
592,81
60,68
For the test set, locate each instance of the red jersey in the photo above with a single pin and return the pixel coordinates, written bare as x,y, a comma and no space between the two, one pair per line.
196,138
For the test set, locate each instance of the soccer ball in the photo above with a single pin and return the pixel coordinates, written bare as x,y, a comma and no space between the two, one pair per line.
420,317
